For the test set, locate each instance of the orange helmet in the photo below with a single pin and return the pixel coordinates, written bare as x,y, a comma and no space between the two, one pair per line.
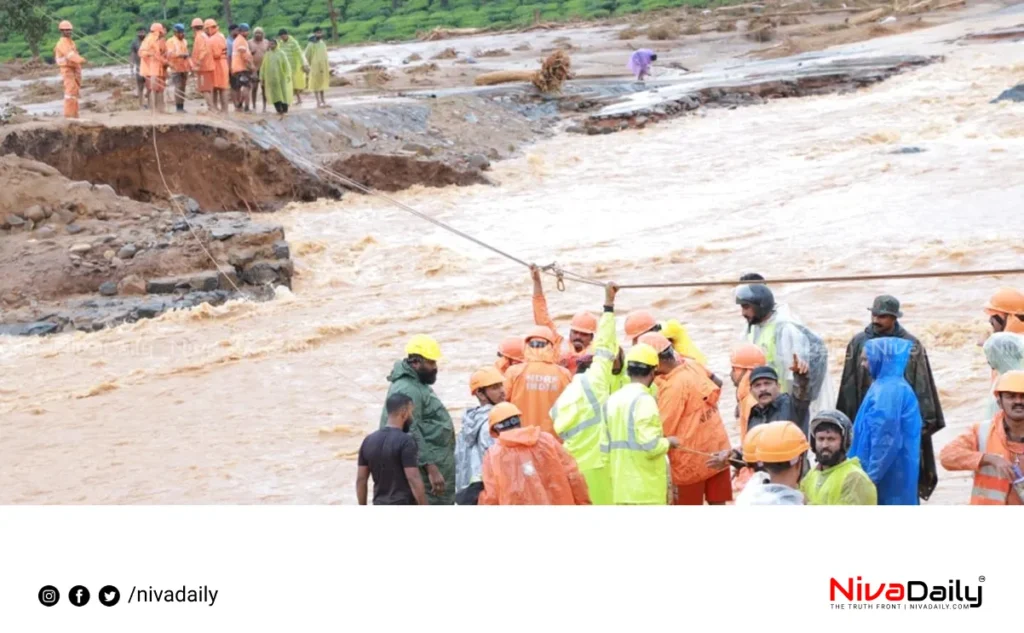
584,322
780,442
65,26
157,28
483,378
511,347
639,322
1005,301
542,332
501,412
210,23
747,356
197,22
750,443
1010,382
655,340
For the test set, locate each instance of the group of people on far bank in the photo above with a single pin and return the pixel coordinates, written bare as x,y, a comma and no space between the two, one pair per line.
233,68
585,420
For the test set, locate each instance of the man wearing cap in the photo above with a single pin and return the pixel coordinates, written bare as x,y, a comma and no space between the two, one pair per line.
838,480
258,46
431,427
582,328
885,312
487,385
994,449
178,60
773,405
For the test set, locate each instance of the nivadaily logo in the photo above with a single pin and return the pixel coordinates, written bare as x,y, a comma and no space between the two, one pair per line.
913,594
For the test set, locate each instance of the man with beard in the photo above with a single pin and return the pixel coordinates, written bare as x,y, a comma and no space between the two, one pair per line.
838,480
582,328
431,427
885,312
390,455
994,450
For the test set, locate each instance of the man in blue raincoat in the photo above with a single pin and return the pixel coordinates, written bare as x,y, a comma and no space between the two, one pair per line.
887,431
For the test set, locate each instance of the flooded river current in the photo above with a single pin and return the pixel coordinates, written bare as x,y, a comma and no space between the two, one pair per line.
267,403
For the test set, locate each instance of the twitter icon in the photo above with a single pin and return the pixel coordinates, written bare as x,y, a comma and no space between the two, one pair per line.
109,596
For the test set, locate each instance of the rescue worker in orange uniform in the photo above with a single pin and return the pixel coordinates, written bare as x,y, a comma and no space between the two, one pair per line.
70,62
640,322
153,54
993,449
750,471
510,352
535,384
178,60
744,358
527,466
202,63
688,403
241,68
582,328
219,52
1005,311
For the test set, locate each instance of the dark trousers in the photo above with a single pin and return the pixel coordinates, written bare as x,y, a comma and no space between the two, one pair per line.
179,82
281,107
469,495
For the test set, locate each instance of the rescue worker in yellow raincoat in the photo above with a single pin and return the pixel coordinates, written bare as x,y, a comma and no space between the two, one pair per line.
837,480
578,413
70,62
636,444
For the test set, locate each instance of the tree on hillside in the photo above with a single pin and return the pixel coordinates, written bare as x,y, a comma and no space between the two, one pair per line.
20,16
227,12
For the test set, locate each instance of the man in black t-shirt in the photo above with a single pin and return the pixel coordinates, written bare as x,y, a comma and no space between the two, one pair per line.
391,457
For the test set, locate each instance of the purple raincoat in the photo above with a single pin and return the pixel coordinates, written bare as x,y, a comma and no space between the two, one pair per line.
640,62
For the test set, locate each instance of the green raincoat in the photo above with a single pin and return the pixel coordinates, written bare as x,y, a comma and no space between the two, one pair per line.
319,69
293,51
276,77
431,427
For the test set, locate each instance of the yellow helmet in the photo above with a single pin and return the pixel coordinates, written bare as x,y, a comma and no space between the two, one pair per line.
644,354
425,346
780,442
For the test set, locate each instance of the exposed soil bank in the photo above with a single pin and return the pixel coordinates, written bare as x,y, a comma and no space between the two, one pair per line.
393,173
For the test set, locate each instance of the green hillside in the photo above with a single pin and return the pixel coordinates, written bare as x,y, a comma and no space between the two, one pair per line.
113,22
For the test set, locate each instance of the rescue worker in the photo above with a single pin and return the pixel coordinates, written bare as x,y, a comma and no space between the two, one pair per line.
688,404
1004,352
1005,310
992,450
202,63
578,413
744,358
887,430
136,66
838,480
258,46
781,450
749,469
780,336
218,47
297,60
153,53
241,69
535,385
772,405
432,427
640,322
527,466
319,69
178,60
510,352
636,441
885,315
487,385
582,328
66,55
276,78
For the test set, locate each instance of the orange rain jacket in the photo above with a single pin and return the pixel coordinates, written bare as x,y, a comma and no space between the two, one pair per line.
70,62
202,60
219,51
153,53
567,356
688,402
241,56
175,49
964,453
527,466
535,385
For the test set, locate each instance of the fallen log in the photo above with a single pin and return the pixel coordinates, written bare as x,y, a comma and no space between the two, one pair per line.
555,70
504,77
919,7
952,3
868,16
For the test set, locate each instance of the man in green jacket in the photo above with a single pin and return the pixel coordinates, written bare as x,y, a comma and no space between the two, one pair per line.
432,427
837,481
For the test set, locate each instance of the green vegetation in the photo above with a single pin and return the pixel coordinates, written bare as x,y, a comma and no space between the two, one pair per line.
112,23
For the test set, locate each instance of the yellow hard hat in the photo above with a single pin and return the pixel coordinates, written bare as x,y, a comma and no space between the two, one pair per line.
644,354
1010,382
425,346
750,443
780,442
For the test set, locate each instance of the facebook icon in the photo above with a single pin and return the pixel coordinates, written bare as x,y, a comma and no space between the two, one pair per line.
79,596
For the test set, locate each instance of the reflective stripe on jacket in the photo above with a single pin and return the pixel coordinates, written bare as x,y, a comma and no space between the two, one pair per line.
636,447
966,452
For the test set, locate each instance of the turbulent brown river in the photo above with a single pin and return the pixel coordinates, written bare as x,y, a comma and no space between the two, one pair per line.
267,402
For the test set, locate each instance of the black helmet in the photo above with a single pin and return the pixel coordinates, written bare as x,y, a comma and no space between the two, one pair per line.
837,419
759,296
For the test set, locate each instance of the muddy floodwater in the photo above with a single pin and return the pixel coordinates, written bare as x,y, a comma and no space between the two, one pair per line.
268,402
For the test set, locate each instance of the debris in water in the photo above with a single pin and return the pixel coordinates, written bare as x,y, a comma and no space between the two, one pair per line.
907,150
340,429
1013,94
448,53
554,72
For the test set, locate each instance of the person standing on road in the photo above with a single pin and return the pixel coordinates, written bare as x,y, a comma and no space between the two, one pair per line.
276,78
178,60
391,457
221,78
140,81
293,51
154,66
70,62
319,68
432,426
258,46
202,63
241,69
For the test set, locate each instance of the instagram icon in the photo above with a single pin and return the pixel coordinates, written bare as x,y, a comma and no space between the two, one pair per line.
49,596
